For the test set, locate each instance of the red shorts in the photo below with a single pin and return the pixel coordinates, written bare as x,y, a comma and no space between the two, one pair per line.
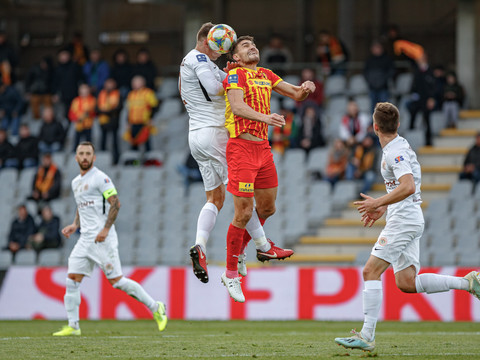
250,167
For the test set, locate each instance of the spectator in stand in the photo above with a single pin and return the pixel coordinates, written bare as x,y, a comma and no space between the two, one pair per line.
337,162
354,125
316,97
68,76
310,134
52,133
48,232
141,103
362,164
422,96
471,164
378,71
281,136
145,67
121,72
47,182
82,113
96,71
453,96
11,104
276,54
78,49
38,85
26,149
21,229
8,60
331,54
190,171
440,81
108,110
7,152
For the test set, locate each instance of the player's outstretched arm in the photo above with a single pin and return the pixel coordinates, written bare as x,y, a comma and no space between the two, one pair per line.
297,93
70,229
239,108
114,202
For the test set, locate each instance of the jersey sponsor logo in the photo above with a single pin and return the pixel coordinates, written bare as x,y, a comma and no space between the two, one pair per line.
85,188
201,58
86,204
233,79
107,180
259,83
398,159
245,187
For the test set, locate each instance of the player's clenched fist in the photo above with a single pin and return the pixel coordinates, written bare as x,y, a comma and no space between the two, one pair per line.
275,120
308,87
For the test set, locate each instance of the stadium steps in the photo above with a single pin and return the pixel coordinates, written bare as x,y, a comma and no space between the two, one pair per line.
331,245
323,258
456,137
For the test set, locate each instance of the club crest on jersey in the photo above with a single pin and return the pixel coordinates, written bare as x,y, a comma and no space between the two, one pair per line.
107,180
382,241
233,79
201,58
245,187
398,159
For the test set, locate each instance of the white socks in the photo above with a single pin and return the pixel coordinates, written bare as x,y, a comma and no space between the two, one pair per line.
206,222
255,229
72,303
433,283
372,301
136,291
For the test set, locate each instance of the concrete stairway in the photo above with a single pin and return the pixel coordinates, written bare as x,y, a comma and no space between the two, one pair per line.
339,240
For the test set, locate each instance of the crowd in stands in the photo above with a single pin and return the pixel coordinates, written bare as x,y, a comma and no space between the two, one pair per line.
81,88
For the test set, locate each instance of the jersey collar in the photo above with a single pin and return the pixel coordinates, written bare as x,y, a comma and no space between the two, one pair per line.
386,147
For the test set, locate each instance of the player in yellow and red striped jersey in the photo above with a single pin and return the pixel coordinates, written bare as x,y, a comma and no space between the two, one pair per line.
251,170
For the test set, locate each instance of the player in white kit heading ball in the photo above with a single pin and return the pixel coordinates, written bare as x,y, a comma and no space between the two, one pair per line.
97,208
399,242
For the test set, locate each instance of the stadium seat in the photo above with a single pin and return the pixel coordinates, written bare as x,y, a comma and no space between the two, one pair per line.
438,122
168,88
403,84
25,257
443,258
335,85
5,259
169,108
468,258
50,257
25,181
416,138
317,159
357,85
362,257
343,192
103,160
8,178
336,106
364,104
130,157
462,189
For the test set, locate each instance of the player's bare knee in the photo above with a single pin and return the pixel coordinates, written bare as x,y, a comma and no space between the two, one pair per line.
114,280
242,217
406,285
75,277
218,202
266,212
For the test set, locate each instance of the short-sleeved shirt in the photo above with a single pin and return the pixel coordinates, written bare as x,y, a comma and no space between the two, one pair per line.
91,192
257,90
204,110
399,159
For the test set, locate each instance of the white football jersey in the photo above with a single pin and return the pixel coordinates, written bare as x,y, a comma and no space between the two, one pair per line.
204,110
399,159
90,191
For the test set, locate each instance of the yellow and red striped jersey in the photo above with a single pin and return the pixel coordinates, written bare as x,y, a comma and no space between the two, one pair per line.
257,89
140,105
82,112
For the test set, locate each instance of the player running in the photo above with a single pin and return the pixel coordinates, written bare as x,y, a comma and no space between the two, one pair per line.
251,170
398,243
97,209
202,93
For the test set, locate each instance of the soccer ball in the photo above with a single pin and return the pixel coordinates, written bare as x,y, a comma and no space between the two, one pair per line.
220,38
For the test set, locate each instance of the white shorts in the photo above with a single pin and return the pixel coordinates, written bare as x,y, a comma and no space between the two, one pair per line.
208,146
87,253
399,245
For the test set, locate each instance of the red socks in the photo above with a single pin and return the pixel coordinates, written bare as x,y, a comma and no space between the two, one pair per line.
235,237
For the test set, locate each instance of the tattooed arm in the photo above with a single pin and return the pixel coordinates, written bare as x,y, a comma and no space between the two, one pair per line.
112,215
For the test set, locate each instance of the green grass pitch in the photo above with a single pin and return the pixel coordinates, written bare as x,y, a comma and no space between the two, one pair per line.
235,340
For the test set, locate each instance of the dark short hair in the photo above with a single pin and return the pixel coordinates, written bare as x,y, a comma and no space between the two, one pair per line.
87,143
386,116
203,31
233,50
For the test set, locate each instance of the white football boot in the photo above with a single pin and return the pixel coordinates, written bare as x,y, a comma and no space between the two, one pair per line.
357,341
242,264
473,283
234,288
